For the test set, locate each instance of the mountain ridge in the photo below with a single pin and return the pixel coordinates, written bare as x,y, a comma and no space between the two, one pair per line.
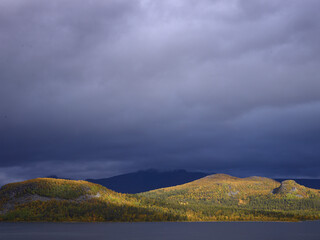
145,180
133,183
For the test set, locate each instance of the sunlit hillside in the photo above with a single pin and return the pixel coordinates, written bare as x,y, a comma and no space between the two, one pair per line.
47,199
221,187
253,196
217,197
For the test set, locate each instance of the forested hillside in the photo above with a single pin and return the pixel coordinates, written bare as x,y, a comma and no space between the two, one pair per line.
47,199
212,198
223,197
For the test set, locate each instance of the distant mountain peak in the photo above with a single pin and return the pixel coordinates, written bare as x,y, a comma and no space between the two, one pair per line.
145,180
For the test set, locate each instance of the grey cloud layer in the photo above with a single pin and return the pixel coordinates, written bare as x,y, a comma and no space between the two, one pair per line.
217,85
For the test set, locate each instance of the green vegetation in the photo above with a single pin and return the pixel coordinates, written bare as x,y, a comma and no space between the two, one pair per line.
217,197
53,188
222,197
46,199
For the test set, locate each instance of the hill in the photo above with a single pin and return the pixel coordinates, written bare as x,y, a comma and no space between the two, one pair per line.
310,183
220,187
143,181
240,198
216,197
47,199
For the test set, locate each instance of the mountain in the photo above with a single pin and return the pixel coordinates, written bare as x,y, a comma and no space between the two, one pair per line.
217,197
143,181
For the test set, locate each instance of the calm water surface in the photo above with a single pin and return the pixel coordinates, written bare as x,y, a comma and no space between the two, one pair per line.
163,231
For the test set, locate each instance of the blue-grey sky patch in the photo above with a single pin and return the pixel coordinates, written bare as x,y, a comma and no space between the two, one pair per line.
114,86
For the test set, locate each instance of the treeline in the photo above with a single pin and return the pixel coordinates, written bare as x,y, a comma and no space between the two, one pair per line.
53,188
89,211
256,209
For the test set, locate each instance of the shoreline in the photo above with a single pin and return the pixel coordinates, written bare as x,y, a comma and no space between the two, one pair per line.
74,222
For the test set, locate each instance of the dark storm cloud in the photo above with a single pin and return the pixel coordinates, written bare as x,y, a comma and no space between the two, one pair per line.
97,88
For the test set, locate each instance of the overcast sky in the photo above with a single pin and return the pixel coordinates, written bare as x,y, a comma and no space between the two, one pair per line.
95,88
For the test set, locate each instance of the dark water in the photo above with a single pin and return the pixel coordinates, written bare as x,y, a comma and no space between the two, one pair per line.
154,231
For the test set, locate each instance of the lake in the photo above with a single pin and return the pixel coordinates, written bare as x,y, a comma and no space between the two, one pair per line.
163,230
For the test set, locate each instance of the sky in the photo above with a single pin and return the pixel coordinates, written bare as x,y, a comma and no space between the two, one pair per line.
93,89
